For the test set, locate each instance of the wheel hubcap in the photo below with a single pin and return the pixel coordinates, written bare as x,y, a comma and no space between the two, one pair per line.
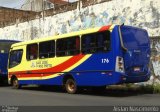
71,86
15,83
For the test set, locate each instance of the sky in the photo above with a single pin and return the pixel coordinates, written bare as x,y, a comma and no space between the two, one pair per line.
16,3
12,3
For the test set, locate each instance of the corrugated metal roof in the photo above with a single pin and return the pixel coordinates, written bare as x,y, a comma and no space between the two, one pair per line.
58,1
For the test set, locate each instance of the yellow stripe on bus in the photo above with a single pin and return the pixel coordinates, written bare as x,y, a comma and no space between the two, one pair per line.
57,74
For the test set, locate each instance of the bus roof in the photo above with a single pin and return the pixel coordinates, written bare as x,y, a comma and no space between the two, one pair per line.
82,32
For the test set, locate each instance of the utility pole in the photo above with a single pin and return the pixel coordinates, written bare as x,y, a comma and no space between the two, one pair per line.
43,14
79,4
43,9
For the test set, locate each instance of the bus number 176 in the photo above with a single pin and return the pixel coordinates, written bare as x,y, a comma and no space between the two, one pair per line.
105,60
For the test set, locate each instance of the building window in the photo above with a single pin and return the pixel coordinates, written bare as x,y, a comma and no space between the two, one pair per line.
96,42
47,49
48,5
68,46
15,58
32,51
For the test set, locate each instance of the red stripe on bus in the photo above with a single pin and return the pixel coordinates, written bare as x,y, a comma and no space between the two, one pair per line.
104,28
62,66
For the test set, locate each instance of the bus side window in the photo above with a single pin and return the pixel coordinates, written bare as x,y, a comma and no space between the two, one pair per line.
96,42
77,45
88,43
85,44
47,49
93,43
73,45
100,42
32,51
103,41
60,47
68,46
107,42
15,58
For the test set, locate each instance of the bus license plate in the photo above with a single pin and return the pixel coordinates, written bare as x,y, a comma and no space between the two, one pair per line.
136,69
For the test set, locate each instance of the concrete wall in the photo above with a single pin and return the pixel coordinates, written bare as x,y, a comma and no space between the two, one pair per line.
155,60
140,13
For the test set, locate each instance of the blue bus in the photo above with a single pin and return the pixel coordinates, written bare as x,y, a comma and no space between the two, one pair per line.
4,51
97,57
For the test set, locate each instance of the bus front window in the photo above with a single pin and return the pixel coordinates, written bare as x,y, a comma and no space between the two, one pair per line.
15,58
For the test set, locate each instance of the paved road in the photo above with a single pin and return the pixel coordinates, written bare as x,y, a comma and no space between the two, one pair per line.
34,96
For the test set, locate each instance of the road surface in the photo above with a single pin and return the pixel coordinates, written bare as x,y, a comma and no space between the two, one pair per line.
35,96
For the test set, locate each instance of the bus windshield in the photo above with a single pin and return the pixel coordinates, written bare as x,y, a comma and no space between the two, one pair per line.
5,46
134,38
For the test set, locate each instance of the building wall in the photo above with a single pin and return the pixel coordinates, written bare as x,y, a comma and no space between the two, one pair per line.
155,60
37,5
140,13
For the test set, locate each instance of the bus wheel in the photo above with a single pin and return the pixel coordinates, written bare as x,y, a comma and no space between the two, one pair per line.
70,86
15,83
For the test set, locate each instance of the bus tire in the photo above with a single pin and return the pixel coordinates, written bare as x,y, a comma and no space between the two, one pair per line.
70,86
15,84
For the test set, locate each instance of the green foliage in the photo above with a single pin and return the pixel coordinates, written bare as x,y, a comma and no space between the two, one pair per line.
151,88
137,88
146,88
156,88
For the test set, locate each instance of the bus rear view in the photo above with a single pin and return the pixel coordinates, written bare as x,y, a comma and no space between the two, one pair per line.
136,54
4,50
